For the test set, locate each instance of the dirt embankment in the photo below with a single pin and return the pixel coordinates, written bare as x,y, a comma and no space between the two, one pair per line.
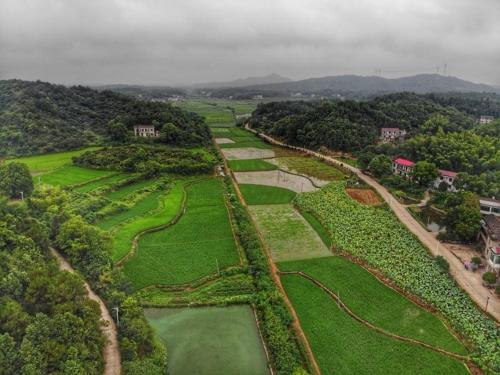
364,196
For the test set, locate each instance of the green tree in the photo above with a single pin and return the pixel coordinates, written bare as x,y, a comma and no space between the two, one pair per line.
424,173
118,131
380,166
463,221
15,180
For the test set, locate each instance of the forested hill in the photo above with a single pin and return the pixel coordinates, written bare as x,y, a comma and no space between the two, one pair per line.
38,117
351,125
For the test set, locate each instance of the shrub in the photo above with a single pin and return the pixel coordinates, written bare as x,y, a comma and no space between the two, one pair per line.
442,263
490,277
476,261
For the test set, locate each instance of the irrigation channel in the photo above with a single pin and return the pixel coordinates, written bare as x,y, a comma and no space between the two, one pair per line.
287,178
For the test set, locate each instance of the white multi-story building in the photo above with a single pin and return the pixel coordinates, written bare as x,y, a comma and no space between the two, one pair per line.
485,119
145,131
489,206
392,134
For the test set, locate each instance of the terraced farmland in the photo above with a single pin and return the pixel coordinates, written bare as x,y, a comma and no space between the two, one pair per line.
72,175
262,194
199,244
251,165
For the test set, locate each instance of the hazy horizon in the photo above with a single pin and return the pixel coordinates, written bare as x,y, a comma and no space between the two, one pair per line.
155,42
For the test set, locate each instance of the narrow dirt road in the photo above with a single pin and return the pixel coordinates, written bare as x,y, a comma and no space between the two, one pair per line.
111,352
467,280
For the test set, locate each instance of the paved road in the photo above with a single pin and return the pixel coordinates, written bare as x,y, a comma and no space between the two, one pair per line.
111,352
469,281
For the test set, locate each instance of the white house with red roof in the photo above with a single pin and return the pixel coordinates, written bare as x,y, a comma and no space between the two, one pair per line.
392,134
448,177
402,167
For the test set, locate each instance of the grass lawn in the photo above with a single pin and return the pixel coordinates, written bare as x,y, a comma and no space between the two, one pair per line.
312,167
149,203
191,248
375,302
71,175
251,165
261,194
169,205
107,181
210,340
48,162
342,345
287,233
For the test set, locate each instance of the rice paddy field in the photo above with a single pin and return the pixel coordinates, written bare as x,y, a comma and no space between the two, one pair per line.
199,244
310,166
102,183
72,175
251,165
342,345
262,194
210,340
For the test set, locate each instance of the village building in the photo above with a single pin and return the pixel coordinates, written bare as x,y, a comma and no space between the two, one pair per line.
489,206
448,177
490,237
485,119
147,131
392,134
402,167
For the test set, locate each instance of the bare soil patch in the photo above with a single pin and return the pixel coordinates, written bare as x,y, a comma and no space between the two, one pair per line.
221,141
364,196
277,178
247,153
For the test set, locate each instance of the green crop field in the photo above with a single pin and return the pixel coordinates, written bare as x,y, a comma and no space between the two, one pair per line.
103,182
129,189
169,205
48,162
148,204
312,167
210,340
71,175
373,301
229,132
192,248
261,194
251,165
342,345
287,233
215,113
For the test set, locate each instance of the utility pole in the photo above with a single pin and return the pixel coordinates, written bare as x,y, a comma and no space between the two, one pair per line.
117,309
22,195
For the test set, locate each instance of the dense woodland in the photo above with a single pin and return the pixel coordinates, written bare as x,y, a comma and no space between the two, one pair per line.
39,117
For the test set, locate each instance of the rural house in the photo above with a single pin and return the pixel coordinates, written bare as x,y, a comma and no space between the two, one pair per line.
447,177
490,236
402,167
485,119
145,131
392,134
489,206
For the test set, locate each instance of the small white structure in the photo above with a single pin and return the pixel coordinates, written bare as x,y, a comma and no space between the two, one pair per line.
147,131
485,119
447,177
489,206
392,134
258,97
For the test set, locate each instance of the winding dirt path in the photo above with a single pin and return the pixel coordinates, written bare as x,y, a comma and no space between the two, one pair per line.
111,351
470,282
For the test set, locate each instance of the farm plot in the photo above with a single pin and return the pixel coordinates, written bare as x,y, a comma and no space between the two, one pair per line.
215,113
342,345
261,194
310,166
199,244
72,175
221,141
247,153
102,182
276,178
128,189
287,233
39,164
169,205
375,302
375,235
251,165
210,340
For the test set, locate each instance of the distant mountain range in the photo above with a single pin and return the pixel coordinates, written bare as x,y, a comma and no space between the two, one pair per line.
269,79
367,85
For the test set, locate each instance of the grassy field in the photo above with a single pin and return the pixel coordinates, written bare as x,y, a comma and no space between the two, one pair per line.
229,132
311,167
342,345
375,302
251,165
192,248
241,138
168,206
71,175
210,340
287,233
103,182
48,162
215,113
261,194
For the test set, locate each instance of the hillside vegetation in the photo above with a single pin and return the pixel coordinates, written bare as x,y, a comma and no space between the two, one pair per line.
39,117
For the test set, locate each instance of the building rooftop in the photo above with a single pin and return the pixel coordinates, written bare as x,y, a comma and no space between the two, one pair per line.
492,224
405,162
490,200
144,126
391,129
446,173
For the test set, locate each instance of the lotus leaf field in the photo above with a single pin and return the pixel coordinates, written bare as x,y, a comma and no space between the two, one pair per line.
375,235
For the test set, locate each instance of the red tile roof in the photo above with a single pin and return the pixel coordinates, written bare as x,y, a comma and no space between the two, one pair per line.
405,162
446,173
390,129
497,250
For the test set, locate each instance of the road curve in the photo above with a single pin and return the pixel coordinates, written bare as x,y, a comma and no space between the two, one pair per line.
111,351
468,281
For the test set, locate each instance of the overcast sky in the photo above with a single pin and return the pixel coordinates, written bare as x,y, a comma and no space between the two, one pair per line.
188,41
